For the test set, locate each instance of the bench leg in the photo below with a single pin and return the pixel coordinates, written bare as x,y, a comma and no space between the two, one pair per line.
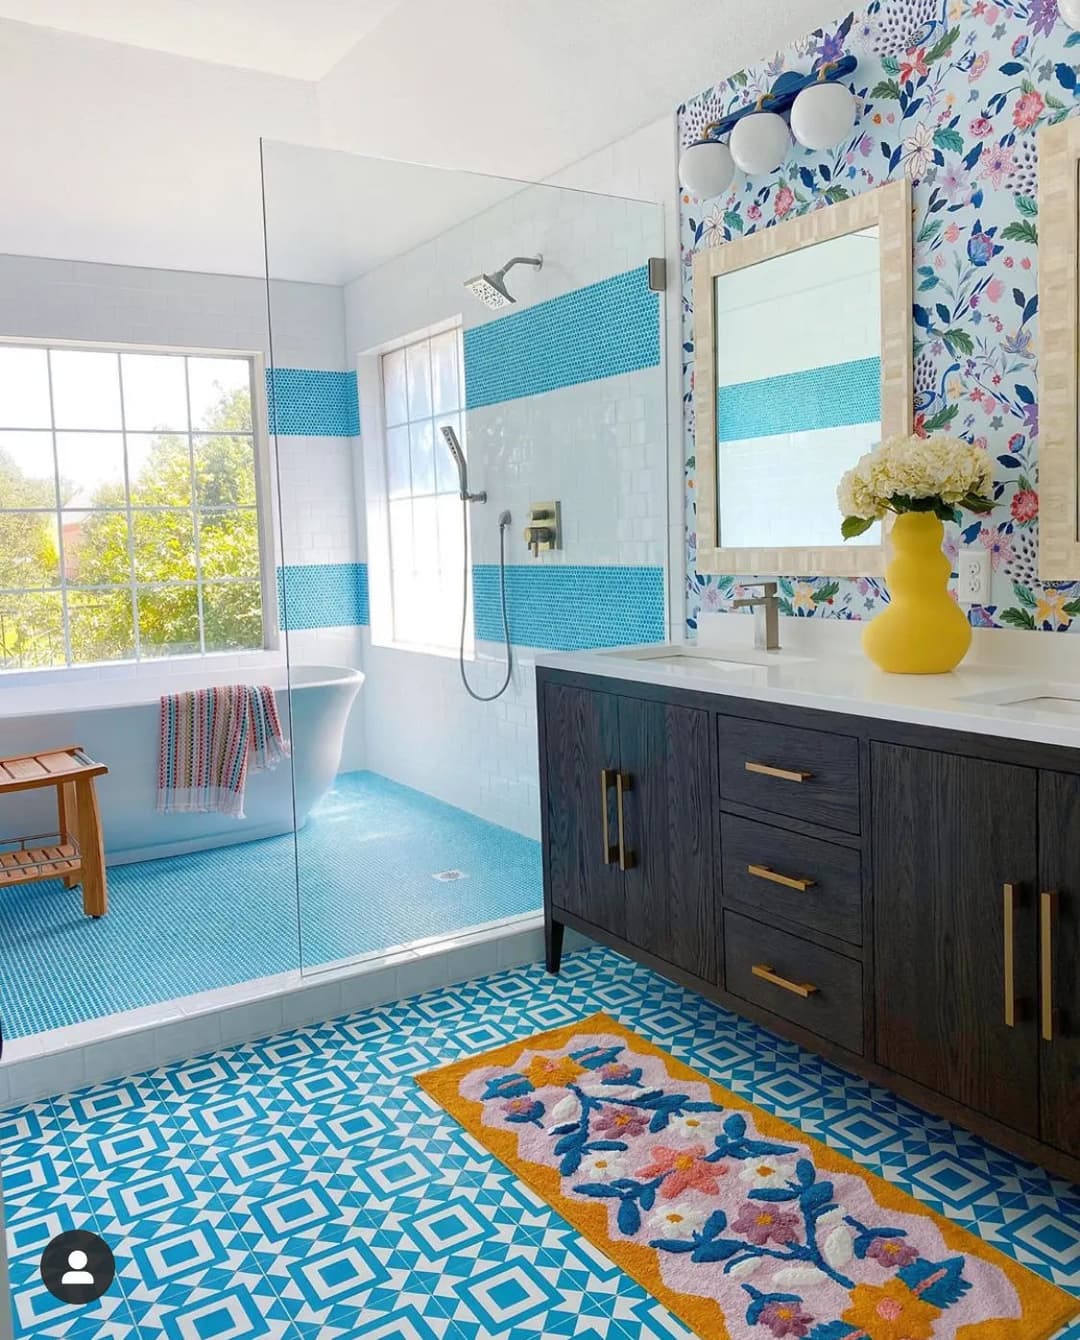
68,821
95,895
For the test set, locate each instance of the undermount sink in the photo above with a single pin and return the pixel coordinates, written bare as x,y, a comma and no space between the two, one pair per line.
692,658
1049,699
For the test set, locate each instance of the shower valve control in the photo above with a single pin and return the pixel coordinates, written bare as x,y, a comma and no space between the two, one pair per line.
543,531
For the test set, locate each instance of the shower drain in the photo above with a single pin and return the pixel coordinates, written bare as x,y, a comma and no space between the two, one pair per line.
448,876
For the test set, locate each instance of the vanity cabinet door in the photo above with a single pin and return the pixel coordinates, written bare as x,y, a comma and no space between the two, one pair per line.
1059,982
671,885
582,760
949,834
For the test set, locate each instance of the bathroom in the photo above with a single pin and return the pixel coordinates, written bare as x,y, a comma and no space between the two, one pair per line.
258,338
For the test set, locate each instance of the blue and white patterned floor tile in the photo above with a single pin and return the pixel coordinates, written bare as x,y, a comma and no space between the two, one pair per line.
304,1187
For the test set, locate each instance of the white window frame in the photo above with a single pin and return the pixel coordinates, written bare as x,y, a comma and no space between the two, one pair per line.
265,471
376,497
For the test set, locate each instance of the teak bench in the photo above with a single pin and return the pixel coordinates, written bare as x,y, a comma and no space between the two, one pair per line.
77,856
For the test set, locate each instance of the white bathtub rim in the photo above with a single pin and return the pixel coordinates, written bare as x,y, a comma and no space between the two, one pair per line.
70,697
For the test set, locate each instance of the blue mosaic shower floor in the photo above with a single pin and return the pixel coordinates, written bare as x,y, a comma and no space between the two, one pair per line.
211,919
304,1187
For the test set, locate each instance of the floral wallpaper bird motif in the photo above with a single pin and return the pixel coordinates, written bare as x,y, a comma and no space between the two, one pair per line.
953,93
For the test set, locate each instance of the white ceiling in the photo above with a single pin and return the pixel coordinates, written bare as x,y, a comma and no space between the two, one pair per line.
139,143
301,39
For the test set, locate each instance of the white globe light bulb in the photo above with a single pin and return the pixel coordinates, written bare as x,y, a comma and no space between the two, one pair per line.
1070,12
760,143
707,169
823,115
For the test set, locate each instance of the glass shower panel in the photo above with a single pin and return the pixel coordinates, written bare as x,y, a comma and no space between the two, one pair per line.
480,336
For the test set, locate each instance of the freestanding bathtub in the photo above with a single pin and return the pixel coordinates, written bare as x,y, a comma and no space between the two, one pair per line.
116,722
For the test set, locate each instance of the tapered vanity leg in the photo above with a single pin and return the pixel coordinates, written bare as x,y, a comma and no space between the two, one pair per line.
553,942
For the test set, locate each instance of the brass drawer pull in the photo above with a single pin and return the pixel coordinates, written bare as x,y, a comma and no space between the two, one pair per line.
788,881
785,774
765,972
623,783
609,853
1048,906
1010,955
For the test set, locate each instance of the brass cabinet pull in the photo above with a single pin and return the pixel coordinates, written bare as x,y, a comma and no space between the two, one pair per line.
1010,955
623,783
765,972
788,881
785,774
1048,906
607,781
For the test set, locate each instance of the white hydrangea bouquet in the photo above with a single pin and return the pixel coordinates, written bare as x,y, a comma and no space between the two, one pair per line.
915,474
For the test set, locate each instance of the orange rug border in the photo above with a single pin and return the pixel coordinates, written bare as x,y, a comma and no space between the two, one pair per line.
1046,1307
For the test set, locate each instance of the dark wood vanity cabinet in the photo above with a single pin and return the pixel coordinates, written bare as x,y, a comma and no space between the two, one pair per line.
628,821
904,900
955,873
1058,1005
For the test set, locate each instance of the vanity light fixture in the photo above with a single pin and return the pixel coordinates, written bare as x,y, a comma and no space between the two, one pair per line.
823,115
707,169
760,143
1070,12
823,112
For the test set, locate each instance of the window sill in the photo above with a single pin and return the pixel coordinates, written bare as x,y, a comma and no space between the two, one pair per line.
422,649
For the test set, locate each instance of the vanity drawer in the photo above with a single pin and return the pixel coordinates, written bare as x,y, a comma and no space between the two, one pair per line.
763,868
817,988
807,774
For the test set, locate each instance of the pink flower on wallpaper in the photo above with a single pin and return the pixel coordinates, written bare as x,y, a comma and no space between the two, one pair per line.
785,201
997,163
951,233
981,127
1024,506
979,66
994,290
754,213
1029,107
683,1170
760,1223
998,545
915,66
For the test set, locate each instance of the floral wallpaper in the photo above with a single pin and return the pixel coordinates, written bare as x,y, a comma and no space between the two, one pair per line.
953,93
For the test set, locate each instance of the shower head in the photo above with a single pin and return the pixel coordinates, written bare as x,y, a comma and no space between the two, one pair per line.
491,288
451,440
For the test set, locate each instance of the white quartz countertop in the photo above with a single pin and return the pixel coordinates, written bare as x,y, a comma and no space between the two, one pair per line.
1034,698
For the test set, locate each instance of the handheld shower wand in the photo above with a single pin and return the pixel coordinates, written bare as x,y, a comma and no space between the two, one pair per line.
451,440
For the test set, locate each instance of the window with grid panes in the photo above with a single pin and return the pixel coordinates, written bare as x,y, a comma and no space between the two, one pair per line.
129,506
423,387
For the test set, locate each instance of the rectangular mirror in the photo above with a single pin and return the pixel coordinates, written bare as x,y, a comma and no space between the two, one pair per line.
1059,314
804,362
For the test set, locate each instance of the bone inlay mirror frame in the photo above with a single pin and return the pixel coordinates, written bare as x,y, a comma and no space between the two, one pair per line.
886,209
1059,312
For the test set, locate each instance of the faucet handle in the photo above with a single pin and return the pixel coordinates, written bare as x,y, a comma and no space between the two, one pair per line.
768,588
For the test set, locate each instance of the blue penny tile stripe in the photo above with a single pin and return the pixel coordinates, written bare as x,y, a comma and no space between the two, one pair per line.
304,1186
837,396
305,402
597,331
562,607
323,595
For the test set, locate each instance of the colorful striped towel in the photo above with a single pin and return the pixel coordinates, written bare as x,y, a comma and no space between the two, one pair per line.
209,740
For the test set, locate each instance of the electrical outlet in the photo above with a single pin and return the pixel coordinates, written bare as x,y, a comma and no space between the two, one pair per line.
973,586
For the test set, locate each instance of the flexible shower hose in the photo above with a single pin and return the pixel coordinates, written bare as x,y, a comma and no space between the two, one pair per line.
480,697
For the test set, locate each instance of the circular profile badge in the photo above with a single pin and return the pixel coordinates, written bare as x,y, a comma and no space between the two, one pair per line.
77,1267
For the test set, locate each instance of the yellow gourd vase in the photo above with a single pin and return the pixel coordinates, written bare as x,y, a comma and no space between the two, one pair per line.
923,631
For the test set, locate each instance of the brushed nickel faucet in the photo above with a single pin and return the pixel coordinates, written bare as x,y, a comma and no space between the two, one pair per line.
766,609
